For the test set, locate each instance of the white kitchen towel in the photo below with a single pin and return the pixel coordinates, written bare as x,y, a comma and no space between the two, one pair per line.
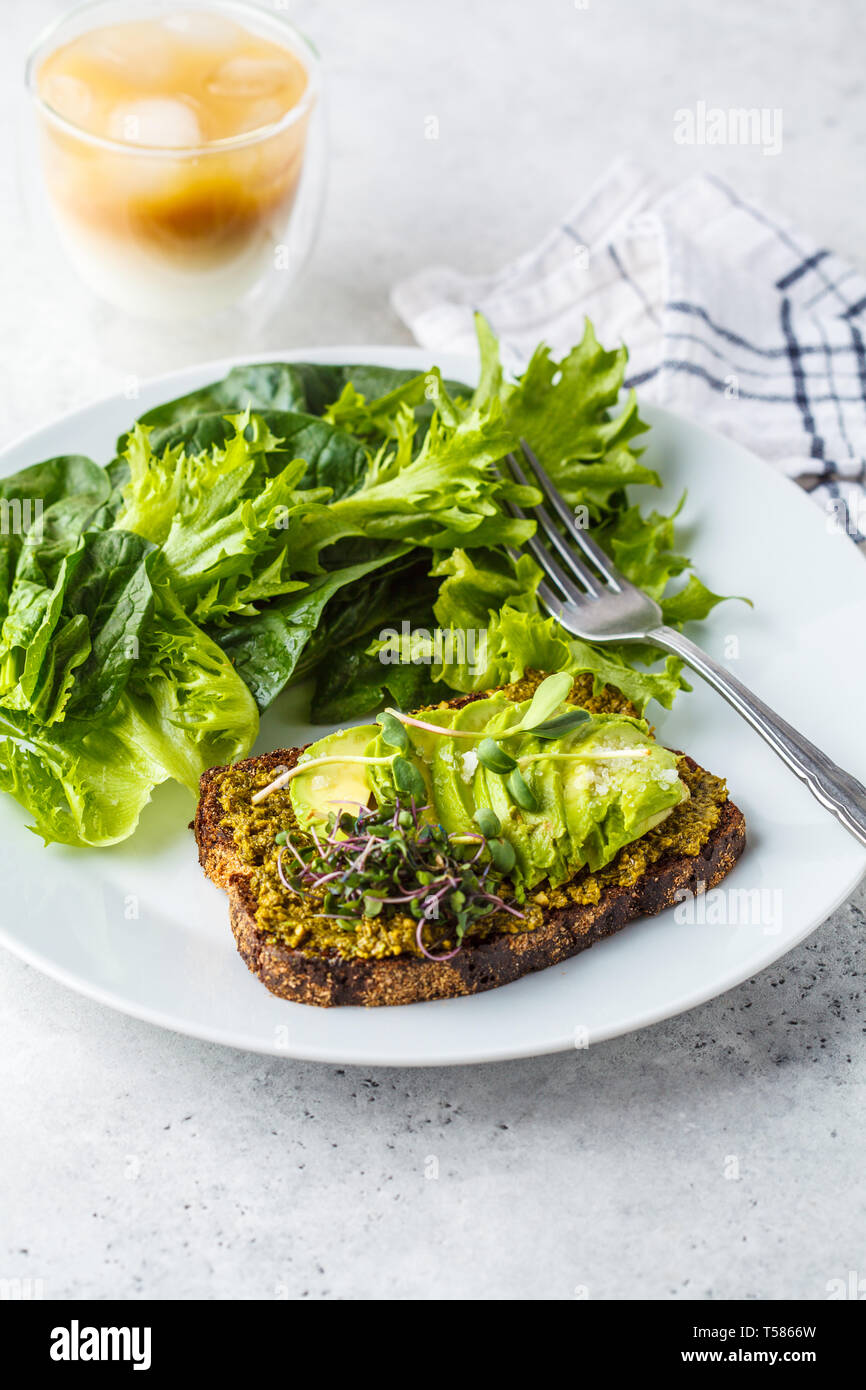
730,317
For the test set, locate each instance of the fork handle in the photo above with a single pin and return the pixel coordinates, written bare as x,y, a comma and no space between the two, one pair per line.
831,785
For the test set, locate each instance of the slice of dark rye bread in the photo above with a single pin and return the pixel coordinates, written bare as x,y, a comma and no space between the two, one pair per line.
486,964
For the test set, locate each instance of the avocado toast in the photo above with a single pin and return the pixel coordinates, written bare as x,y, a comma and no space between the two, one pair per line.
559,883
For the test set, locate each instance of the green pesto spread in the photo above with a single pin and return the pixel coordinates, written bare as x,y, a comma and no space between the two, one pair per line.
292,920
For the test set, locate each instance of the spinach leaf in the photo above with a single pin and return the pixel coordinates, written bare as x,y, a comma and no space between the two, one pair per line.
265,649
350,679
56,478
357,681
306,387
360,610
260,386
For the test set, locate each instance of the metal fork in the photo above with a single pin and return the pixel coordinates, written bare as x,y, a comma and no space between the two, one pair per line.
594,601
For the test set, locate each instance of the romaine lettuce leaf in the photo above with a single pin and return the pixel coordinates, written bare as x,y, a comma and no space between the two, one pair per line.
76,612
183,710
196,708
26,496
83,789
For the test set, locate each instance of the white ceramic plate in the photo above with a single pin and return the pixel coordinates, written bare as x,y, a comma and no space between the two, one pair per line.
139,928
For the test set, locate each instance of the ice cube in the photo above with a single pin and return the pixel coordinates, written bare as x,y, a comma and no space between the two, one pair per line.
256,114
160,122
248,77
204,31
68,96
142,52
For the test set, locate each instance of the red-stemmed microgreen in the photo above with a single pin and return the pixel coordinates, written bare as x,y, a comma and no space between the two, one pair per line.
394,857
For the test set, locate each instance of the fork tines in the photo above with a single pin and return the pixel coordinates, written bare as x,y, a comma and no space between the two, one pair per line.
592,581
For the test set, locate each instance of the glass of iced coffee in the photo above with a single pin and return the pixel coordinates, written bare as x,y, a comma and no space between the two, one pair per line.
179,154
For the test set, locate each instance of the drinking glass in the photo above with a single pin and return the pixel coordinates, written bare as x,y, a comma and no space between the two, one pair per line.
164,226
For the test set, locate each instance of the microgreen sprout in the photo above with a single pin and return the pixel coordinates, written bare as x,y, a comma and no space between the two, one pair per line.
410,722
392,857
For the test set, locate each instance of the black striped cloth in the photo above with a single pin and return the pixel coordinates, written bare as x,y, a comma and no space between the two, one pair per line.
730,316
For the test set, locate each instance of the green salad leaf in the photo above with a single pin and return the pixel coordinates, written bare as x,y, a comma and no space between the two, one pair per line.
28,494
73,624
567,411
445,494
220,518
309,387
515,636
265,650
184,710
197,709
334,458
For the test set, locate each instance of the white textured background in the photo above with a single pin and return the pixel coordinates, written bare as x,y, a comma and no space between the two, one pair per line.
135,1163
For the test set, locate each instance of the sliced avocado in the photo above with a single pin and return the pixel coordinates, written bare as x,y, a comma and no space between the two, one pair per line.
611,802
596,789
539,837
338,786
439,759
382,777
652,821
454,766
